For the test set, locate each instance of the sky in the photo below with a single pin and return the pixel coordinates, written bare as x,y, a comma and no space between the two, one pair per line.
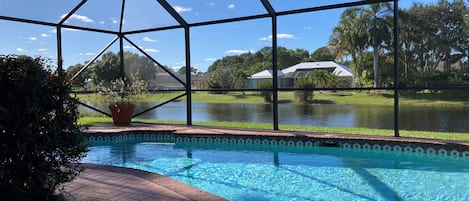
208,43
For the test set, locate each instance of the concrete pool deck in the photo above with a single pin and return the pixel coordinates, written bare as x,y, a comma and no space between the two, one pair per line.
100,182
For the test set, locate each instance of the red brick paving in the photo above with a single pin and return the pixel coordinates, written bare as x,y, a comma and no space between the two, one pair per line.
100,182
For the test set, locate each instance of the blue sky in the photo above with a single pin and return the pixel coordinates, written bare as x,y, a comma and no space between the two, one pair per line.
208,43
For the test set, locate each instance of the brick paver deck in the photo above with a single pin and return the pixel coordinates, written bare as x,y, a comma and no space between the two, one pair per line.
100,182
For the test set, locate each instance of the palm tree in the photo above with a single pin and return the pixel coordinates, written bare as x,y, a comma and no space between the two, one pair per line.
349,38
240,77
376,24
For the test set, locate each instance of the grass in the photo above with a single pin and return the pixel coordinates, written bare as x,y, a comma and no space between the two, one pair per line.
90,121
325,97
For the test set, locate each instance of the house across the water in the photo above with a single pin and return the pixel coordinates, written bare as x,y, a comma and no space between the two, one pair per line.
287,76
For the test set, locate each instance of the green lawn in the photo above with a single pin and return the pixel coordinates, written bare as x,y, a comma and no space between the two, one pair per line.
89,121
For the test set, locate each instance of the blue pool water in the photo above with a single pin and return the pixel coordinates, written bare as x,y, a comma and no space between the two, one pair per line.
316,173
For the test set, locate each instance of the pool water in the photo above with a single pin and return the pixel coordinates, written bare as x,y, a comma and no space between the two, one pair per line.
316,173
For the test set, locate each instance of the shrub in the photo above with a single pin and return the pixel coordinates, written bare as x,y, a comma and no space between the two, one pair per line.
39,138
219,80
123,91
304,96
267,93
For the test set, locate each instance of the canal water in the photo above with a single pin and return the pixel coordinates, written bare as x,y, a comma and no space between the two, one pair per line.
426,118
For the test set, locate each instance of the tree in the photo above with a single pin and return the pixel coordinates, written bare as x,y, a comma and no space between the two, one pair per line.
323,54
451,31
386,72
107,68
240,77
219,79
349,38
326,79
142,65
287,58
360,28
321,78
431,35
376,25
81,80
182,70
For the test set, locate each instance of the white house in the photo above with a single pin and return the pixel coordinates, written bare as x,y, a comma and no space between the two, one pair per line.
287,76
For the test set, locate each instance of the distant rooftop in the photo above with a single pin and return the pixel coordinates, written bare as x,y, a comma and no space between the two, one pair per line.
336,68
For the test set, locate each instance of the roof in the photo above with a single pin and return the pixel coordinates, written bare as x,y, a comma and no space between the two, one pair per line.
340,70
266,74
294,71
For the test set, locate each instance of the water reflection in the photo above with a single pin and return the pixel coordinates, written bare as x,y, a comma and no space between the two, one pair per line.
432,118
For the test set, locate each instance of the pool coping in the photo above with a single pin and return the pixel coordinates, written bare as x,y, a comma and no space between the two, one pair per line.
326,139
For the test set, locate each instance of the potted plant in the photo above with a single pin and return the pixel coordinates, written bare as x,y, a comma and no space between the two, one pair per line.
121,95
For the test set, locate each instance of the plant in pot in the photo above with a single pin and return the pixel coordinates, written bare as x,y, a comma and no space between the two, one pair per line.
121,95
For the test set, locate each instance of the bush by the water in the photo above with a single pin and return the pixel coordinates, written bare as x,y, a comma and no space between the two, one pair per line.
304,96
266,86
40,141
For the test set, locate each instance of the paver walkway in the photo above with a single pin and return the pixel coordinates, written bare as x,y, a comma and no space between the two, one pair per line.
99,182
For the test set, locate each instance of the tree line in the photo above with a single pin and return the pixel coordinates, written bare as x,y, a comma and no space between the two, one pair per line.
107,69
433,48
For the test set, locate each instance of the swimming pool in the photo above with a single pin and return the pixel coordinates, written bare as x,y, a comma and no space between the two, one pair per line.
239,172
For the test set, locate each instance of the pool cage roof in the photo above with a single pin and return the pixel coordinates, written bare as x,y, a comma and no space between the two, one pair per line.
133,17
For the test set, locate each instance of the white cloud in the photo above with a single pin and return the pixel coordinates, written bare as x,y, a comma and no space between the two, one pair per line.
129,47
114,20
210,59
20,50
32,38
101,22
180,63
211,4
181,9
54,31
279,36
236,51
175,68
231,6
148,39
79,17
286,36
42,49
150,50
87,54
44,35
69,29
307,28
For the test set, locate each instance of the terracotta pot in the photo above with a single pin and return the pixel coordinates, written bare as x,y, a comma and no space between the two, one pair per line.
122,114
